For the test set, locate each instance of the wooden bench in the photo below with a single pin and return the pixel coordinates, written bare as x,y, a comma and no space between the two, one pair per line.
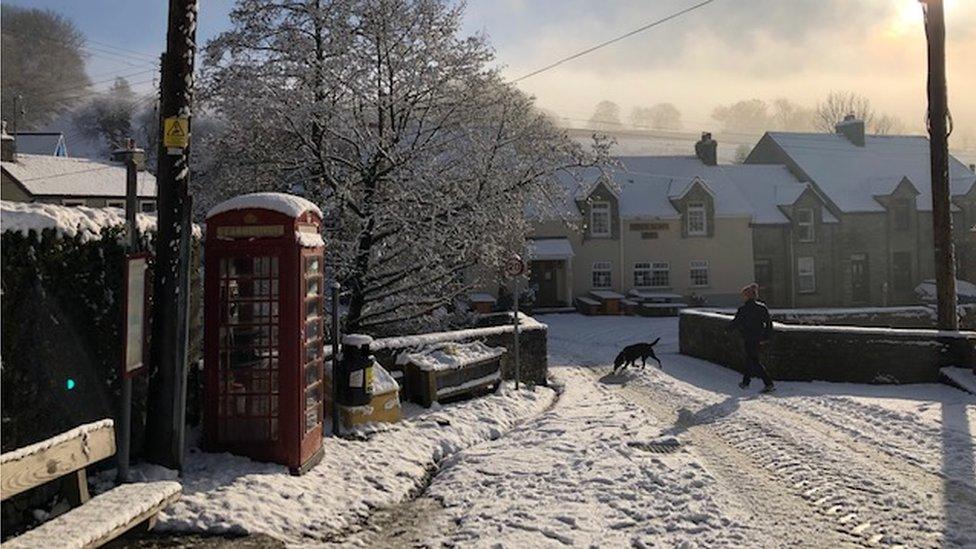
427,384
92,522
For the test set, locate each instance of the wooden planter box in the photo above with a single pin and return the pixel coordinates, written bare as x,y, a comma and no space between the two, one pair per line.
630,307
428,386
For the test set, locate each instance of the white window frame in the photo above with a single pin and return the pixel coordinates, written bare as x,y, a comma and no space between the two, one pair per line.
698,265
805,224
806,267
696,208
73,202
604,207
642,273
658,267
602,267
143,203
115,204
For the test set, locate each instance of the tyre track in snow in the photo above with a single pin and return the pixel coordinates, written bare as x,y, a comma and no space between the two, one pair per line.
860,493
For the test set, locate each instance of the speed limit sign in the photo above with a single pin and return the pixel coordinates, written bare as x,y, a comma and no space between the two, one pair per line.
515,266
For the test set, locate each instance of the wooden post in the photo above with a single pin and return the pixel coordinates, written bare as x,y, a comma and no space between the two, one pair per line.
945,263
132,243
167,389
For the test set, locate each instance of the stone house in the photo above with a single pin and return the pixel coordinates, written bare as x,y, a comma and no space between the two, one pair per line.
659,225
70,181
862,233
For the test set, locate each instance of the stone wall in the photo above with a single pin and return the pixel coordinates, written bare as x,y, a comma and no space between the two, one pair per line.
832,353
533,350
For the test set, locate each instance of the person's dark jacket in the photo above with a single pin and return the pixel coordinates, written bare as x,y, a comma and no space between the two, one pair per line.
752,321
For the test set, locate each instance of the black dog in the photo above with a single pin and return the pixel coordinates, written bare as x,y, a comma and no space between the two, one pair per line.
631,353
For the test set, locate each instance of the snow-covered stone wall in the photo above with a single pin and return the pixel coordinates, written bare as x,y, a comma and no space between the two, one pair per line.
853,354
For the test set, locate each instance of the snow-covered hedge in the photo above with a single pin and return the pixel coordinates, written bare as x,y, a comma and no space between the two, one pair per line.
62,276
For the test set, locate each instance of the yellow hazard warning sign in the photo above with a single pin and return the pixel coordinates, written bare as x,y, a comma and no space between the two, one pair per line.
176,132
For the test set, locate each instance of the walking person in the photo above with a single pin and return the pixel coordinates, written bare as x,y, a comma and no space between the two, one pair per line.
753,322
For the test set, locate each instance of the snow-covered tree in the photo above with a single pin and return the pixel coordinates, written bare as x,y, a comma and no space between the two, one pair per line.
606,116
106,120
662,116
381,111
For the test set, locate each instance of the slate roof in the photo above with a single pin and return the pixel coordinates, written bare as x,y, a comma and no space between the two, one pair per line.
852,176
646,186
44,175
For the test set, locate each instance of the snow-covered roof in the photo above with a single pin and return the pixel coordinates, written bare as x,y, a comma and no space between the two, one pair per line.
647,187
24,217
49,143
46,175
549,248
852,176
768,188
287,204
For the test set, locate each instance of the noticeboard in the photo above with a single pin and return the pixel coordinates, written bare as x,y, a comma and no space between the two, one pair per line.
135,307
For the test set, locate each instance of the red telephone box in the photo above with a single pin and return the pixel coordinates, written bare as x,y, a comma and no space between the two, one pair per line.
263,340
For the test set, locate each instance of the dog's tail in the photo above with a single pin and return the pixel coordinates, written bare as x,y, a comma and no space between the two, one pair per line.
653,343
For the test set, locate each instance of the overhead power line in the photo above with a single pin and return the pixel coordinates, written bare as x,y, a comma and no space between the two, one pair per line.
613,40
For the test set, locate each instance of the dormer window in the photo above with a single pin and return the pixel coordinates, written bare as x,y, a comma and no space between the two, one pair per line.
804,225
696,220
600,219
902,215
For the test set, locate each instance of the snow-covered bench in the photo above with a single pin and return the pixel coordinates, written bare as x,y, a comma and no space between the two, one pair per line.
609,301
452,369
91,522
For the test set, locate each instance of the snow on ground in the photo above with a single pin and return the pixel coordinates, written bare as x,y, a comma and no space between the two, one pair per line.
229,494
859,463
582,474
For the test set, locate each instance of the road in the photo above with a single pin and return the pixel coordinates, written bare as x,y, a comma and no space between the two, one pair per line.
814,465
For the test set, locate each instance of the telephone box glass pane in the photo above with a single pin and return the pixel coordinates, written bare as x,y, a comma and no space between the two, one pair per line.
313,342
248,365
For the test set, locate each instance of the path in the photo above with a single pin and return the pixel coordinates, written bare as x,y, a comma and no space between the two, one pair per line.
814,465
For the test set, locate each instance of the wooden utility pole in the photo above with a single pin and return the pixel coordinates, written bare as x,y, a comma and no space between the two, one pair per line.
945,261
167,389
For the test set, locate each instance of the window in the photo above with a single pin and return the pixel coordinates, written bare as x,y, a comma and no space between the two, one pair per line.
660,274
695,219
902,215
652,275
699,273
806,275
804,225
602,274
148,206
115,204
600,219
73,202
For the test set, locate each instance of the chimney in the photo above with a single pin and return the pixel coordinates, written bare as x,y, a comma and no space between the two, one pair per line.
707,149
852,129
139,155
972,167
9,149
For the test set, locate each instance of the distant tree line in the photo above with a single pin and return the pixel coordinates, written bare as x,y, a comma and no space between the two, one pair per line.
755,116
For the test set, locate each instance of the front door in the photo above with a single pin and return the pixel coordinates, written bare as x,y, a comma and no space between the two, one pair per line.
860,289
543,279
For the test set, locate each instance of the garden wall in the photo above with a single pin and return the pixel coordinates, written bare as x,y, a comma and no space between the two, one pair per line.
832,353
918,316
